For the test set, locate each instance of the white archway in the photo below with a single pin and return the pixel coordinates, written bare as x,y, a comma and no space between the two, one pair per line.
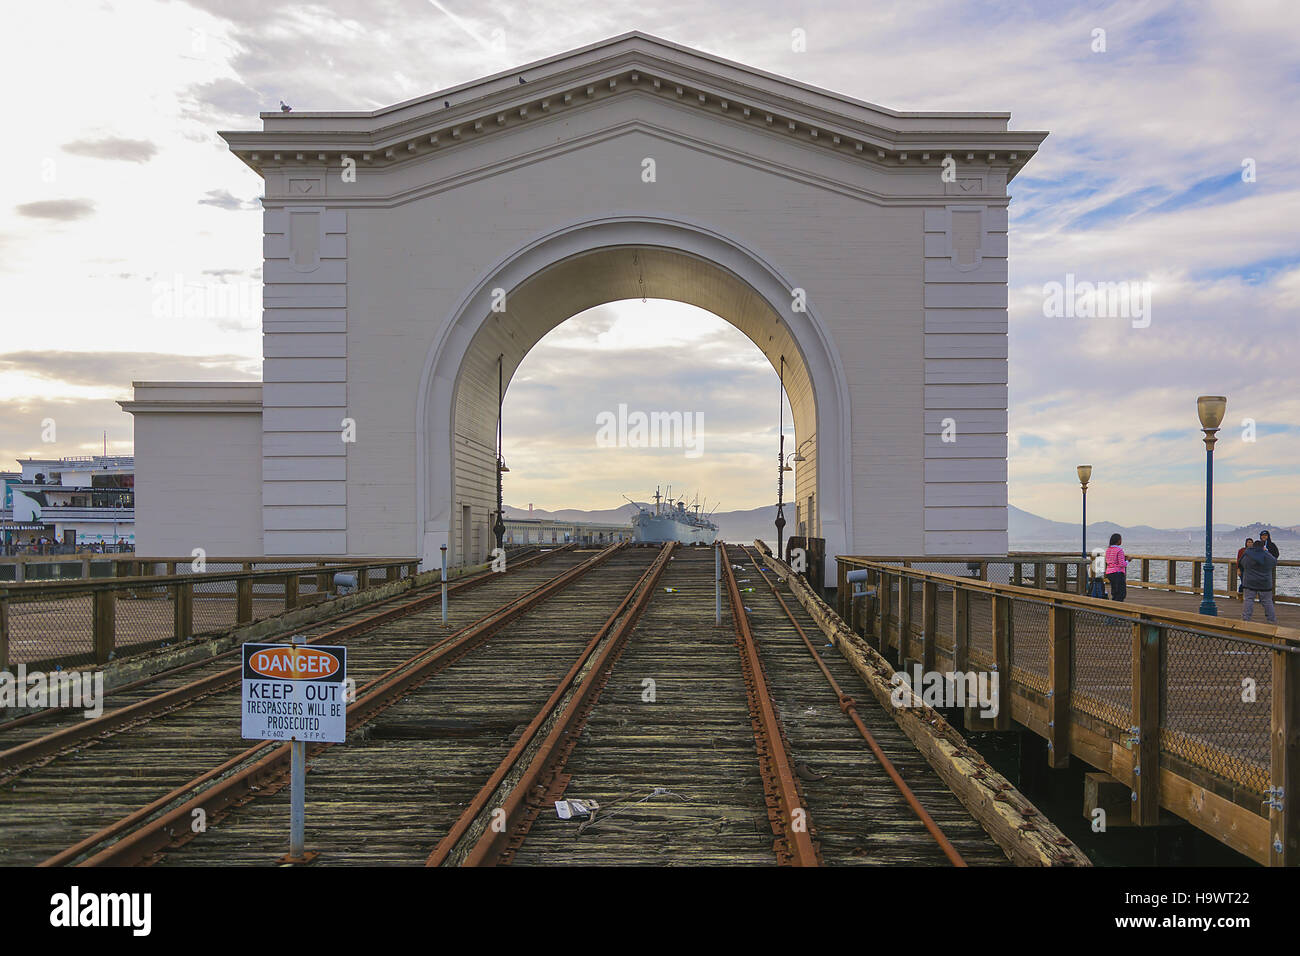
740,281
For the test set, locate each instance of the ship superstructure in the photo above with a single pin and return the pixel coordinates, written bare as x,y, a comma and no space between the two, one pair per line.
672,521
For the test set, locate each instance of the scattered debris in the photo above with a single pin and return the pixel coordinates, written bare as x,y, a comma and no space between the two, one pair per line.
575,809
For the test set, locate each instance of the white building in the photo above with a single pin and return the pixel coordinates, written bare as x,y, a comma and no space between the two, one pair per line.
88,499
409,249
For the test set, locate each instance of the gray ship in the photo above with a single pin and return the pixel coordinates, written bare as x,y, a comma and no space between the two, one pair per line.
672,521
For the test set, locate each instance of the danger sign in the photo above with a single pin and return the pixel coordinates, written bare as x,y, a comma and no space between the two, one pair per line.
294,693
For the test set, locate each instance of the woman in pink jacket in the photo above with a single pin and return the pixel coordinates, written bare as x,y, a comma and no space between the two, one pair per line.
1117,569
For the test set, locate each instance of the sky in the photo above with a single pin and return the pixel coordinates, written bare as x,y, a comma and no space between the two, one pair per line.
1172,161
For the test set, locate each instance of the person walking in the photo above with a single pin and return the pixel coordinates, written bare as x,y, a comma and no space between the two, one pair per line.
1258,565
1117,569
1240,552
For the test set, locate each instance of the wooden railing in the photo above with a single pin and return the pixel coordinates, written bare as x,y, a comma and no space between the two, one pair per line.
73,622
1172,563
1046,571
16,569
1198,715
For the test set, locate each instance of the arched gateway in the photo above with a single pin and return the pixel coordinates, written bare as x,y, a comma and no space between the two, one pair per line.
407,248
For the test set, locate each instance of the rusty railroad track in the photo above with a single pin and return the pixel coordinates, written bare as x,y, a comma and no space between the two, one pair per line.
738,743
163,734
741,750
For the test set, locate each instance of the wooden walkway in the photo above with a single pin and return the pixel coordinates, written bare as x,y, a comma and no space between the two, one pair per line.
1288,615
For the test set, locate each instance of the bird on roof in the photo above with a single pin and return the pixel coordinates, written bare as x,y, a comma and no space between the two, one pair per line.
522,80
446,104
285,107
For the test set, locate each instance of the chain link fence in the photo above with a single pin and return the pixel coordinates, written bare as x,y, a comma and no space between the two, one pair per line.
53,624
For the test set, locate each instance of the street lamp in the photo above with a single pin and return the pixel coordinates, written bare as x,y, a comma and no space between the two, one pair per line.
781,466
1210,409
1085,475
499,528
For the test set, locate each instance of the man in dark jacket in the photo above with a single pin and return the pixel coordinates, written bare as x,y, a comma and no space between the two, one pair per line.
1267,537
1257,581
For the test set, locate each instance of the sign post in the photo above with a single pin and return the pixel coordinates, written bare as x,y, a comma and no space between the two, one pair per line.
717,584
444,584
295,692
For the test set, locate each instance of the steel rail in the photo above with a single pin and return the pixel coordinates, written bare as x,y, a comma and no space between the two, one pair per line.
173,828
849,706
794,843
547,759
58,740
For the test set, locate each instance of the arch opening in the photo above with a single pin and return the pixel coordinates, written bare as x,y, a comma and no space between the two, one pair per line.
565,274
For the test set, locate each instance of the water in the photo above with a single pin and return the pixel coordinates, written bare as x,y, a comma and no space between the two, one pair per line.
1288,578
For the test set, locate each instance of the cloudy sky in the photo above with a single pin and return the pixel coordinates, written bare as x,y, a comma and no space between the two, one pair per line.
119,190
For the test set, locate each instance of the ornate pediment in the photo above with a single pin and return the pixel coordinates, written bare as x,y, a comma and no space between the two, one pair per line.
633,64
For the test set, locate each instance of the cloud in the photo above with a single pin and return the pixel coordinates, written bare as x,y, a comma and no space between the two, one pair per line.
80,390
113,147
119,369
226,99
60,210
222,199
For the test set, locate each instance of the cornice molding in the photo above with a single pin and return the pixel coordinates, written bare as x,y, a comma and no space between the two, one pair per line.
376,142
799,174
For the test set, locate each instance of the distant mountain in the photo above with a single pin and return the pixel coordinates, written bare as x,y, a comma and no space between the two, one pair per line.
1021,525
1024,526
732,525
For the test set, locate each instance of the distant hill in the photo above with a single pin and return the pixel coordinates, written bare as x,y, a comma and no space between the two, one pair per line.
1024,526
732,525
1021,525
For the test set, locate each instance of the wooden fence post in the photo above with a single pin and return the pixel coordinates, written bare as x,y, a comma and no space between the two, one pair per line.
904,617
182,610
1284,762
4,633
244,601
1171,572
1002,637
104,625
1196,577
841,599
291,591
1060,634
1061,584
887,616
1146,570
1040,573
929,623
1148,643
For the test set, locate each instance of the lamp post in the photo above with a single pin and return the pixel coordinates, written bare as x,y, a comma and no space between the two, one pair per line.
499,527
780,464
1085,475
1210,409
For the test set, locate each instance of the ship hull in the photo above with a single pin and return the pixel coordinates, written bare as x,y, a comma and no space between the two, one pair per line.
660,529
